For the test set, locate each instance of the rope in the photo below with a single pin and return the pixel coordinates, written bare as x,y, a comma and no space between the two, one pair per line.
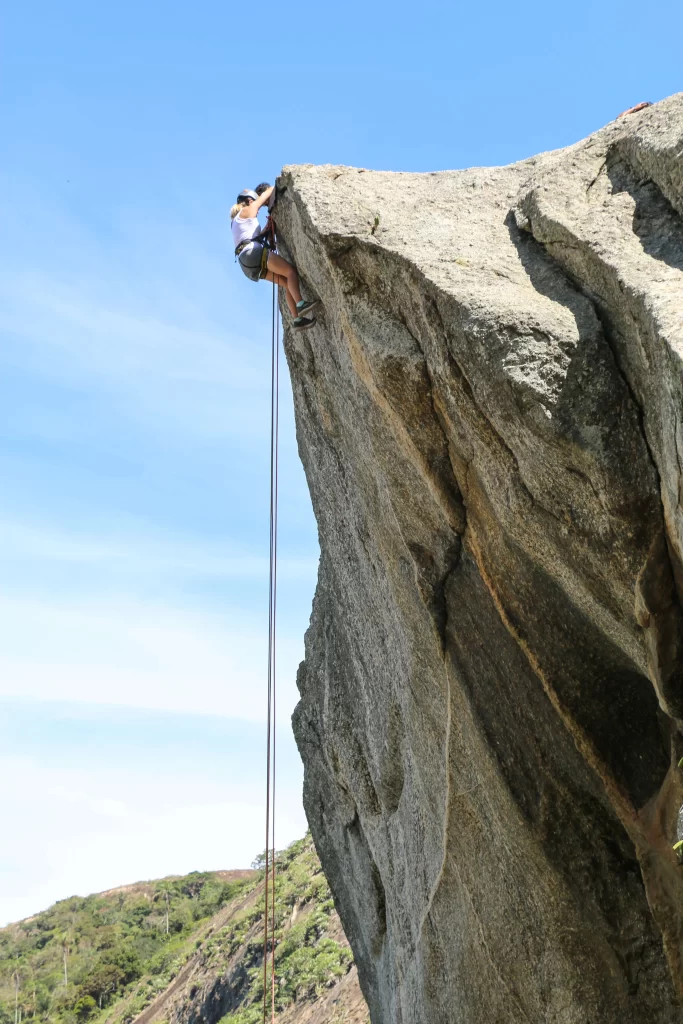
269,909
277,462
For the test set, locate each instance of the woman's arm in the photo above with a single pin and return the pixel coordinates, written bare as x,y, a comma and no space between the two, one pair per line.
634,110
255,205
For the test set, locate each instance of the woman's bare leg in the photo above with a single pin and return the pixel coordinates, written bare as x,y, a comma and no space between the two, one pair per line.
281,281
277,265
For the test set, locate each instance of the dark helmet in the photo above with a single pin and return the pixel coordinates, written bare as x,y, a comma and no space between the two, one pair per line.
247,193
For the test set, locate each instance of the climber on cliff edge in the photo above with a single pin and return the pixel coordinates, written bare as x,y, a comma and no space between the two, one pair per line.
258,261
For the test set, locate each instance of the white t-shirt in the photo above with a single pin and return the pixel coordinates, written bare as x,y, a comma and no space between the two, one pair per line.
244,229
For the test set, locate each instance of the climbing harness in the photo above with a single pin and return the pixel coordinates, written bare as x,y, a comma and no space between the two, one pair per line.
266,239
269,906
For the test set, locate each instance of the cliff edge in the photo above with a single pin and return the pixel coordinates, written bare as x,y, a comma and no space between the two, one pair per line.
490,419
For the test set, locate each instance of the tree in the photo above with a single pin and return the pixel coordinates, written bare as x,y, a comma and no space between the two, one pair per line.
34,1000
259,862
194,883
85,1007
16,979
65,957
67,939
126,960
163,891
102,981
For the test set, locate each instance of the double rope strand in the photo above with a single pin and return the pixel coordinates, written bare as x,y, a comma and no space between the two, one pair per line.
269,909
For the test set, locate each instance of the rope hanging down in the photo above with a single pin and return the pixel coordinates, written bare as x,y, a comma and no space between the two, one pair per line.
269,908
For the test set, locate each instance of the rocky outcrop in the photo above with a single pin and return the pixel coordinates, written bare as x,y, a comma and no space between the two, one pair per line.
491,422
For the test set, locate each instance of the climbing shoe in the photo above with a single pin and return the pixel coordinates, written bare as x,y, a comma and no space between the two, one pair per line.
301,323
305,307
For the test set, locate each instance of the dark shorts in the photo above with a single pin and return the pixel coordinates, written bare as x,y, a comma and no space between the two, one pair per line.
253,261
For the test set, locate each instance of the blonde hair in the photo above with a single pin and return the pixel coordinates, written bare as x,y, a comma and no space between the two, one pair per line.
234,210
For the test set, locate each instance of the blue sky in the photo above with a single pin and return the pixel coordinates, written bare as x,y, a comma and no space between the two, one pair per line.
134,377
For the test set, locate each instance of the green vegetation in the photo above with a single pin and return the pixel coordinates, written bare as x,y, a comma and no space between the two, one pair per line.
307,960
106,957
76,961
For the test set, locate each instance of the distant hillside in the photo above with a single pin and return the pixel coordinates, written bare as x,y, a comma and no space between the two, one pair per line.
184,950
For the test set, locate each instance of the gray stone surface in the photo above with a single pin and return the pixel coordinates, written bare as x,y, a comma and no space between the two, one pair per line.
490,418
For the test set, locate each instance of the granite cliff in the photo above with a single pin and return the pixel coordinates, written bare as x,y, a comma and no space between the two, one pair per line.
490,417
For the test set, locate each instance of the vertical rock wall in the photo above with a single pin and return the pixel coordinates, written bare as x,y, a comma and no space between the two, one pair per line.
490,419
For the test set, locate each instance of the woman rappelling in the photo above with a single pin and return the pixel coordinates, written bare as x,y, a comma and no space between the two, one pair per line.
258,261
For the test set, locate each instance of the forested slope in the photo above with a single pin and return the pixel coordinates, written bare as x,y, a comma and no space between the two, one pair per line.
183,949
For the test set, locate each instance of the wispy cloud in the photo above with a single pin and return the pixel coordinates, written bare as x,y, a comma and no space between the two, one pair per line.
142,553
151,320
142,654
104,806
134,619
103,858
93,838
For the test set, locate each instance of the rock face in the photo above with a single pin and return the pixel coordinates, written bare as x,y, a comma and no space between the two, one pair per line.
490,417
